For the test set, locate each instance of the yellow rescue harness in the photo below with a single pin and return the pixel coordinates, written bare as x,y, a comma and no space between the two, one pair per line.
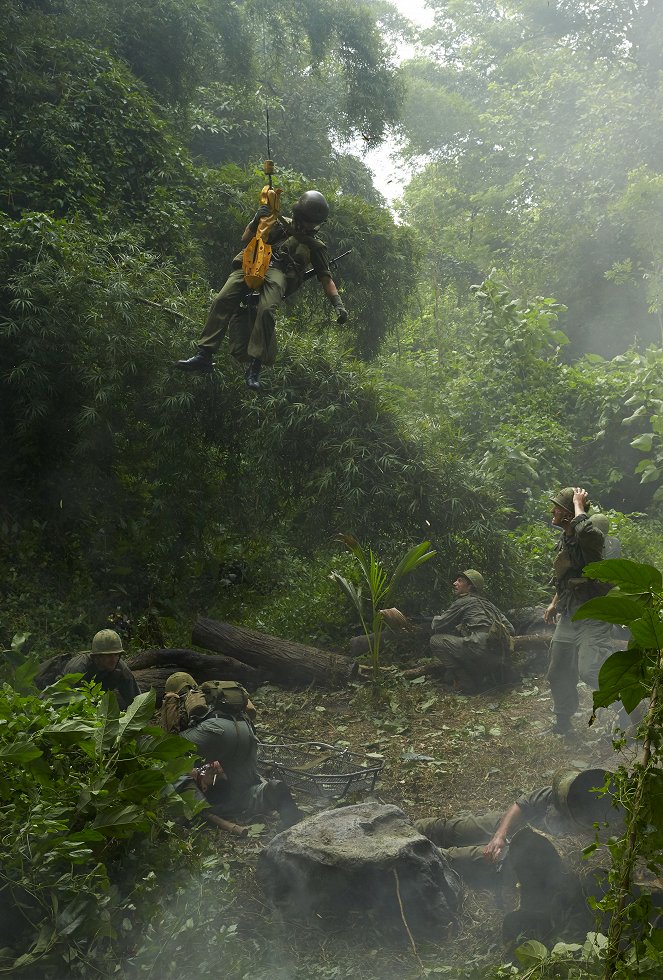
258,253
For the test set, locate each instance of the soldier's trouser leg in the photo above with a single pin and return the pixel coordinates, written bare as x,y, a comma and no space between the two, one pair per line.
225,304
462,658
594,645
460,831
448,650
239,333
272,292
462,840
563,669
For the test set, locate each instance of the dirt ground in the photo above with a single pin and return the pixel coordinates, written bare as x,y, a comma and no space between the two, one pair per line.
441,752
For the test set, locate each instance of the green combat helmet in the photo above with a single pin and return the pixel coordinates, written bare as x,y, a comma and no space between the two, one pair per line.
564,499
475,579
177,682
573,792
106,641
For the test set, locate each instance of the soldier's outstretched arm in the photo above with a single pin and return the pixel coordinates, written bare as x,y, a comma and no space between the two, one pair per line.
510,822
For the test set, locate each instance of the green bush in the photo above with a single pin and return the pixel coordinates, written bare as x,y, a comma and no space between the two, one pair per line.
83,789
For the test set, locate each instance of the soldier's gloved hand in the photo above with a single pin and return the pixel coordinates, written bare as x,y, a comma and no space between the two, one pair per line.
341,312
263,211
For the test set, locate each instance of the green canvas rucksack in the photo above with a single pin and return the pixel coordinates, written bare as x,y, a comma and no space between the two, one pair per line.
227,698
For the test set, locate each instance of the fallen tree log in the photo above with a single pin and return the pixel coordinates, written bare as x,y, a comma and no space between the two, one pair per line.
281,660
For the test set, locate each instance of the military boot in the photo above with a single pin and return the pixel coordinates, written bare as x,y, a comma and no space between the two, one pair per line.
201,361
253,374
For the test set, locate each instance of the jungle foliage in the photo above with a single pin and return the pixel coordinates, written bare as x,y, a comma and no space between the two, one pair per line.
95,797
447,407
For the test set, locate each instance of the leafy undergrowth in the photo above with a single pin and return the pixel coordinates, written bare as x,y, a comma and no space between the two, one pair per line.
442,752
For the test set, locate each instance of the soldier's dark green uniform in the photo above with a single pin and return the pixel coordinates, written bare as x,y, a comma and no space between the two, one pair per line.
466,639
120,679
578,649
233,743
293,253
567,807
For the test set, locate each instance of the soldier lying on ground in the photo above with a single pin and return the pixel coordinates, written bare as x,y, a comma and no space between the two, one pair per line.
103,665
476,845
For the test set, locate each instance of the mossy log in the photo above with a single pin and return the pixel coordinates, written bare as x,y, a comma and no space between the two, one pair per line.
280,660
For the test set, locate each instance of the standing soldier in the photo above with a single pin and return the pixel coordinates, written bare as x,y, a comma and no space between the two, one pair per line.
578,649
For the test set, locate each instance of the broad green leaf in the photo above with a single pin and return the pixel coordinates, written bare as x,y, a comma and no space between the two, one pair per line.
631,576
72,732
622,678
139,786
21,752
610,609
138,714
643,442
647,632
532,953
119,818
349,589
156,743
105,735
415,557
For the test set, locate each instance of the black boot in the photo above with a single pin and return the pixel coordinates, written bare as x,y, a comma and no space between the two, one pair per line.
201,361
253,374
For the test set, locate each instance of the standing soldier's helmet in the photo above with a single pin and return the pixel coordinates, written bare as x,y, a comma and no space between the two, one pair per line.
178,682
106,641
311,208
475,579
564,499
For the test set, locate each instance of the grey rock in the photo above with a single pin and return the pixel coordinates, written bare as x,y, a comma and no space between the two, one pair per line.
360,859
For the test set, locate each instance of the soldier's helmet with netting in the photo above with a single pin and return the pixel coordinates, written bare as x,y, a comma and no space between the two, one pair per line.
311,208
106,641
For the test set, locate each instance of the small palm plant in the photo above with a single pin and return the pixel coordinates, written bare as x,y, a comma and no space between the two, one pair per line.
381,589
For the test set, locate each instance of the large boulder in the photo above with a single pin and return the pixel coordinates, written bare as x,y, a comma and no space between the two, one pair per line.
367,858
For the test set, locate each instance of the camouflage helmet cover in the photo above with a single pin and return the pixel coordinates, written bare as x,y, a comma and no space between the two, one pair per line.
176,683
311,206
106,641
475,579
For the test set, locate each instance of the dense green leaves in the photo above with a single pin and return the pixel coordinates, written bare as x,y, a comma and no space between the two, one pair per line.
78,781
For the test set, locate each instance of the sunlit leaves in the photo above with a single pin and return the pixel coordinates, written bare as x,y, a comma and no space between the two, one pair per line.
631,577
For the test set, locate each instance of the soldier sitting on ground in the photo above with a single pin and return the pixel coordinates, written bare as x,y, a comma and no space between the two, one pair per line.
216,719
103,665
471,641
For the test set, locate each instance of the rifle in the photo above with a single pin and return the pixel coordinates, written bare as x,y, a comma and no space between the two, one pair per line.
332,263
